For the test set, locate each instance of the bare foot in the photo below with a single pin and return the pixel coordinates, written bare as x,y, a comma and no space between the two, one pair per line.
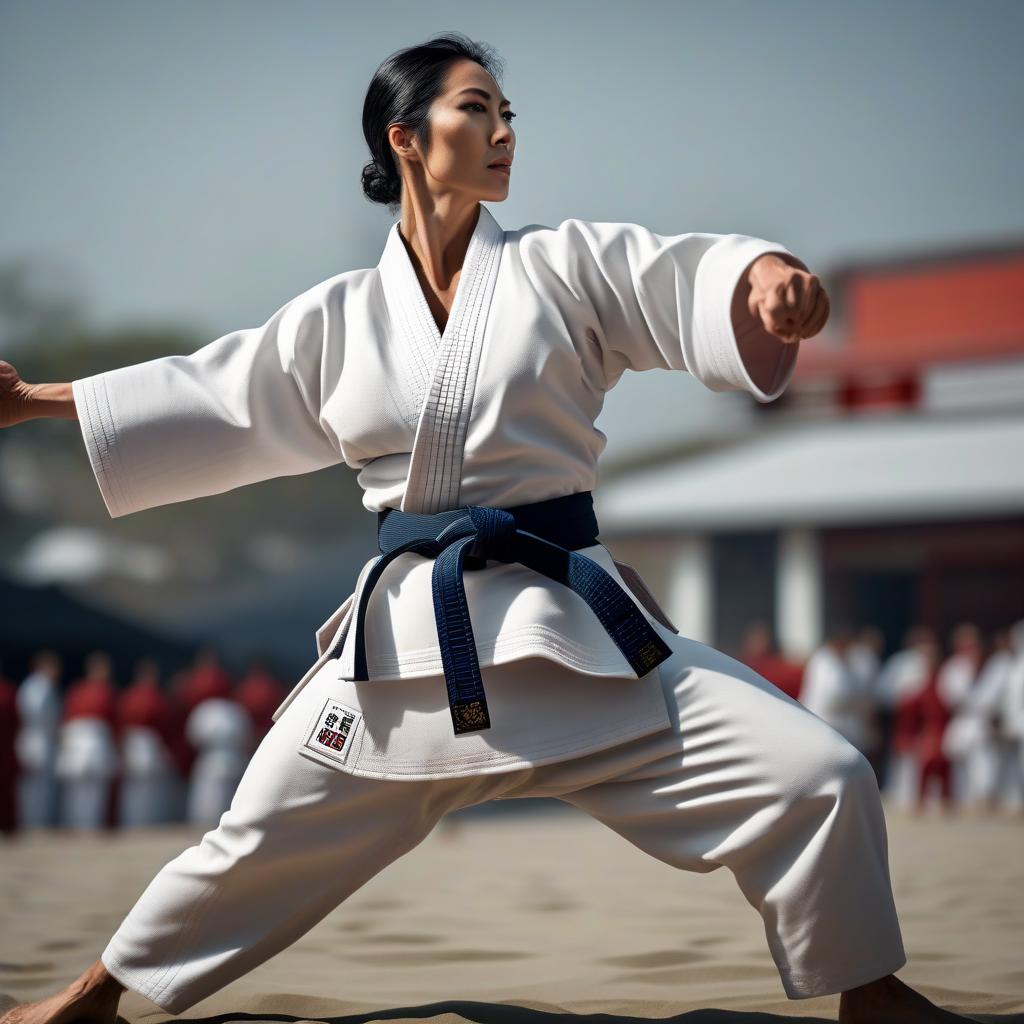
91,998
888,1001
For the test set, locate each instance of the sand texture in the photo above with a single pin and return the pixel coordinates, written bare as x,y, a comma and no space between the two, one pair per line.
518,917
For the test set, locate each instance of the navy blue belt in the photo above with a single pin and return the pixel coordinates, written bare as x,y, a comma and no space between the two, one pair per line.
543,536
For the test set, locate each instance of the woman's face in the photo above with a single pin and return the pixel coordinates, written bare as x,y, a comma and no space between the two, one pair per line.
470,128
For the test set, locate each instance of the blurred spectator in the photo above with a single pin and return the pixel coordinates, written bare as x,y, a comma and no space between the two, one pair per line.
87,760
207,678
182,753
218,728
957,676
864,658
148,794
9,724
903,675
926,715
974,732
838,695
39,706
1011,723
260,694
759,652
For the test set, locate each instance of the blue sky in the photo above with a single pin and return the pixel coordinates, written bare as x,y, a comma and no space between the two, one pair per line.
198,162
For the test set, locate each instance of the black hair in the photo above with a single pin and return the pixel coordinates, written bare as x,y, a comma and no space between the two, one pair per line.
401,91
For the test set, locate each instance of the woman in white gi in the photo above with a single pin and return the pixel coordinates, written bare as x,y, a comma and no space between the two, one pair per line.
462,376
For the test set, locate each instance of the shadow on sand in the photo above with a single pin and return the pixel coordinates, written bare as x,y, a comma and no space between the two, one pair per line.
503,1013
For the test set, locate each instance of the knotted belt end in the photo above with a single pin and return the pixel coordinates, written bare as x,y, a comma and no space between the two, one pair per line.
470,715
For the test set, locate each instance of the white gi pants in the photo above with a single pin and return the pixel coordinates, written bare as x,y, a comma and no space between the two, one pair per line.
746,778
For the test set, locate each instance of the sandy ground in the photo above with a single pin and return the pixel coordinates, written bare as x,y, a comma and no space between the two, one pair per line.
522,914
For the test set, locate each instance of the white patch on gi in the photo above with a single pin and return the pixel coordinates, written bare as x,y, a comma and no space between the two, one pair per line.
331,734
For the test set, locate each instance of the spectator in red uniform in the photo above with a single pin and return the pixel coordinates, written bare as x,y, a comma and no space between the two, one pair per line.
760,654
148,769
181,750
87,760
924,717
260,693
207,678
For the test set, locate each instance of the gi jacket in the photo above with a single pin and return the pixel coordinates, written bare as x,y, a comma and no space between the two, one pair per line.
498,409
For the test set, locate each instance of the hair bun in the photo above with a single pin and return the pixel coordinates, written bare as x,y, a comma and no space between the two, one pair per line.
377,186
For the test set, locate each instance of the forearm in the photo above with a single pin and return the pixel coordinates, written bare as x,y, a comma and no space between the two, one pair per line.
50,400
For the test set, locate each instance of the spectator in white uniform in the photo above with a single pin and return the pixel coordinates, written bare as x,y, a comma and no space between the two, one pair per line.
974,734
87,757
837,694
957,676
219,729
864,655
39,711
148,786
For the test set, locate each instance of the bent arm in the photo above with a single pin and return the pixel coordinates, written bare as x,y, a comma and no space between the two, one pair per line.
672,302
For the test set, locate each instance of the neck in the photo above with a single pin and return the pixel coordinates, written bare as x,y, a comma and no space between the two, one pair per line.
436,232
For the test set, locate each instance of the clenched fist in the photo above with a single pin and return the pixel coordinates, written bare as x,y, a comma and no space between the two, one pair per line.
789,302
14,396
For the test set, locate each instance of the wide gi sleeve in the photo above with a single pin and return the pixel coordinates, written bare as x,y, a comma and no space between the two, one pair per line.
665,301
244,408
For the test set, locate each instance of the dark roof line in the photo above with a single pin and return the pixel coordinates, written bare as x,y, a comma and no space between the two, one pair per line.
979,250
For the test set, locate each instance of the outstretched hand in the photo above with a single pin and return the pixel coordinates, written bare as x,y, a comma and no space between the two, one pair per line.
789,302
15,396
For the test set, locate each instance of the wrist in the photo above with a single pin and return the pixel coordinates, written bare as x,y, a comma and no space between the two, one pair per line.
52,400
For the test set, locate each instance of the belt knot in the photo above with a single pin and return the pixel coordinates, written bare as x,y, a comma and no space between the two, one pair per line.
495,527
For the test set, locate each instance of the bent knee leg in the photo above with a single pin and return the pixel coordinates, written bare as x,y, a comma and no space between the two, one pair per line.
835,766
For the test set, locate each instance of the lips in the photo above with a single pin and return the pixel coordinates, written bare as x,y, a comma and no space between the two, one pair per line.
504,162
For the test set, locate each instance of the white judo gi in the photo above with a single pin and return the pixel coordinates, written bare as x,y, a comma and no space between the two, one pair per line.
701,762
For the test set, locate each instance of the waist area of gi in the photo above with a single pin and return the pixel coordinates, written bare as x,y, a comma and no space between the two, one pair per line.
544,536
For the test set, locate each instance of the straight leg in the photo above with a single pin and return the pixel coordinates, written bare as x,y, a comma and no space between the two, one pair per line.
297,840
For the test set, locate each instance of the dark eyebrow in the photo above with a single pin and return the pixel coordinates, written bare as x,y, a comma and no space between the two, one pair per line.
486,95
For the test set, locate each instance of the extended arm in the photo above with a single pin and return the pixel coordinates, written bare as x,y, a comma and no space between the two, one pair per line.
244,408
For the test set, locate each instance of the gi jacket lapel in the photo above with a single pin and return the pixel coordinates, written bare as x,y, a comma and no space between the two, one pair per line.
442,367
